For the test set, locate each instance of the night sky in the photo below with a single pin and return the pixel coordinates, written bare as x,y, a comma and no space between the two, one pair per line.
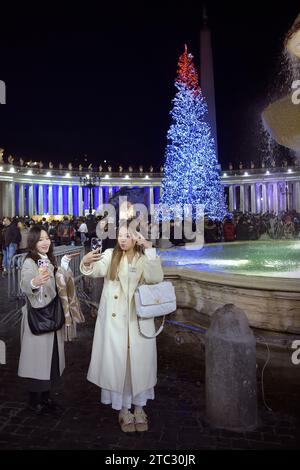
103,87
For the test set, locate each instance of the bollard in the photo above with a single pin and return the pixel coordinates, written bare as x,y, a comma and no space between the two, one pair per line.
230,370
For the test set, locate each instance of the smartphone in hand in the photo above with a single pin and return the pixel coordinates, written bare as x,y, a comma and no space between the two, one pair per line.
96,243
43,265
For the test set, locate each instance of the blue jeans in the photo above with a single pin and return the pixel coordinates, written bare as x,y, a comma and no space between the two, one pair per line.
8,252
82,237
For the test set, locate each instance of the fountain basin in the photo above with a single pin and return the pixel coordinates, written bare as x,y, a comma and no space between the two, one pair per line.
269,295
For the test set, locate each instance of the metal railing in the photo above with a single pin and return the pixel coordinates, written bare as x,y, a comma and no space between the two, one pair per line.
14,273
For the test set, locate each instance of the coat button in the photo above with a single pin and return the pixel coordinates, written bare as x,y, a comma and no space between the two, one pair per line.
113,315
115,297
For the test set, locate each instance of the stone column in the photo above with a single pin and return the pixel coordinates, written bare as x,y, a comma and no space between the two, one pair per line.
264,196
297,196
231,198
12,199
258,198
246,197
30,202
70,200
2,209
60,200
230,370
41,200
290,196
5,199
283,196
21,200
253,198
151,191
270,196
275,197
80,201
242,198
50,200
100,202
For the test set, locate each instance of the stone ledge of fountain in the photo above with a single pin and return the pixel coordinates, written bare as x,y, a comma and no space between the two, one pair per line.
279,349
235,280
271,304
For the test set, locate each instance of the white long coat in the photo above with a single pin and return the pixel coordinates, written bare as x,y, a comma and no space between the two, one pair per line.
36,351
116,327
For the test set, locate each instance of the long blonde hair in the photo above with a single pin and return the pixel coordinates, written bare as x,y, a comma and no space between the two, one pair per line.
118,254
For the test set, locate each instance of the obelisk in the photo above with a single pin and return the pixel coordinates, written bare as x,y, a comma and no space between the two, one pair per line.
207,75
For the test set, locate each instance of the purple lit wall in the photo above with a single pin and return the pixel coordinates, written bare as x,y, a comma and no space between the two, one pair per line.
65,192
45,198
55,199
156,194
26,197
36,199
85,194
96,197
75,200
147,197
115,189
17,192
105,193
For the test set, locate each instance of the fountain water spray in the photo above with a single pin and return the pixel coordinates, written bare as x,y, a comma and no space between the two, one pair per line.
282,117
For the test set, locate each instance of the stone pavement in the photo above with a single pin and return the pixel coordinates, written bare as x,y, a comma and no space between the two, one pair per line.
177,415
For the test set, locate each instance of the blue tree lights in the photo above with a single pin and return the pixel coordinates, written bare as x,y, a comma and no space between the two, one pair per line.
191,170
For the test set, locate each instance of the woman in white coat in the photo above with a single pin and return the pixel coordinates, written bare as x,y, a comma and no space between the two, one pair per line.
124,363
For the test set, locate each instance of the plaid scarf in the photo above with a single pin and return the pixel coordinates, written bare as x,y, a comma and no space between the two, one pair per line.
70,303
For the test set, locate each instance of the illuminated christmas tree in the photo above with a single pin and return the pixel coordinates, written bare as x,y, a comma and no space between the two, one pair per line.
191,169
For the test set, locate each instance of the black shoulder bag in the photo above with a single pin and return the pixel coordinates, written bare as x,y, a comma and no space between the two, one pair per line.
46,319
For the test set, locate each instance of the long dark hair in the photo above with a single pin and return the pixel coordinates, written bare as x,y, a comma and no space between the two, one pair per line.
295,27
33,238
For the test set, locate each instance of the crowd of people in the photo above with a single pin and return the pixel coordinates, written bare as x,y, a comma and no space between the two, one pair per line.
245,226
68,231
79,230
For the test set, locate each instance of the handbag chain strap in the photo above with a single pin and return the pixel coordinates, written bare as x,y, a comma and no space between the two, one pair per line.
156,333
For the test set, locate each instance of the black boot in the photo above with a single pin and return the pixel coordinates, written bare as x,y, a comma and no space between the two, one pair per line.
35,403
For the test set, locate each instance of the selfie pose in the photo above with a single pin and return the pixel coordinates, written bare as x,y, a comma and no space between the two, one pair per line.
50,311
123,362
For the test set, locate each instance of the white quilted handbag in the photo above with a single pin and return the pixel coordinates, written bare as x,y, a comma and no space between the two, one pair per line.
154,300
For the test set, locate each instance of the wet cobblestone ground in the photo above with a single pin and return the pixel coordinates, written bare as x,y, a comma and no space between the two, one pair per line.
177,415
